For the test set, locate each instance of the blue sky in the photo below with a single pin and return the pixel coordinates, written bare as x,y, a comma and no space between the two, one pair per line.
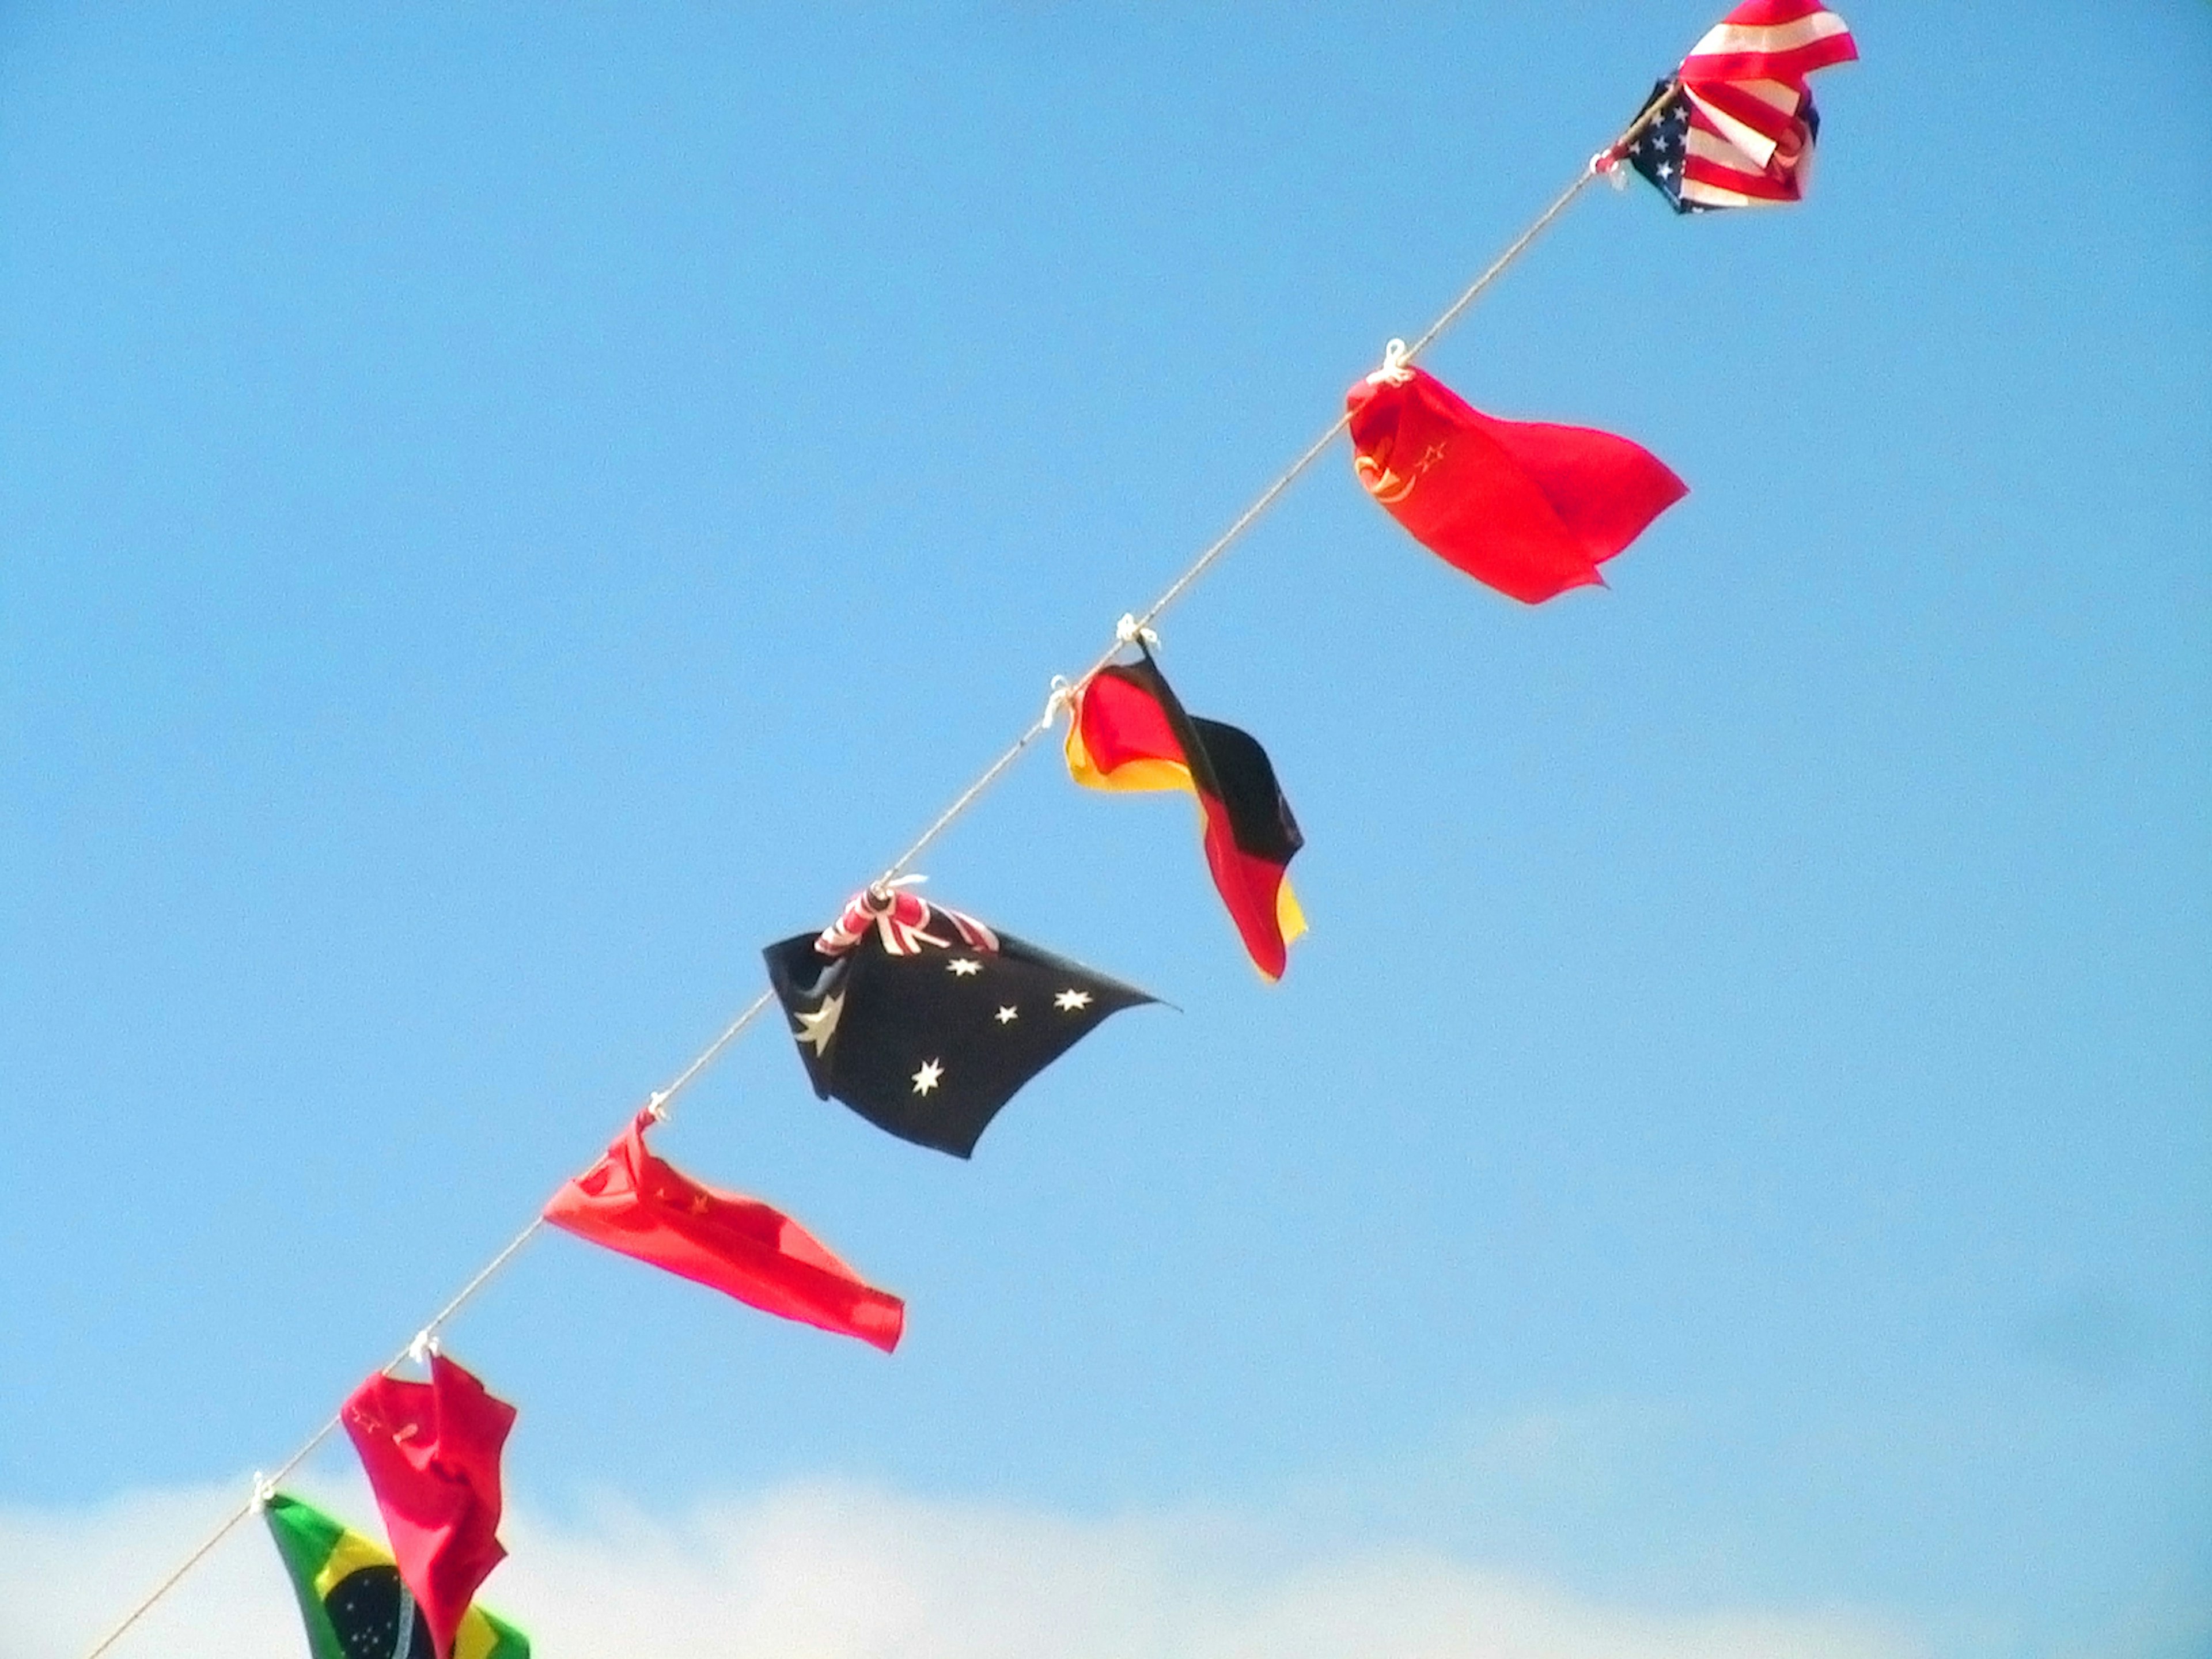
507,512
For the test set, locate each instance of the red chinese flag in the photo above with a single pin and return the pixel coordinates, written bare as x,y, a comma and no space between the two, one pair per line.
638,1206
1530,508
432,1453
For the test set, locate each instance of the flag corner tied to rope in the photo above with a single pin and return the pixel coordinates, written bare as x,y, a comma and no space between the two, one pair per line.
641,1206
353,1601
1128,731
1528,508
926,1021
1735,126
431,1451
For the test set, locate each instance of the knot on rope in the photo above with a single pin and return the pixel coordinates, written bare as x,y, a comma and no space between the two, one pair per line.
1129,631
1057,700
656,1105
881,897
424,1345
1606,164
1395,370
264,1490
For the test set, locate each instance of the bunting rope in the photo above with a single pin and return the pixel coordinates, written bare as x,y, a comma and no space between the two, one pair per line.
657,1104
1131,627
1290,475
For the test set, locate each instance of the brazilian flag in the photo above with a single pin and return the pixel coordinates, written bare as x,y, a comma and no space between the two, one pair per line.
354,1603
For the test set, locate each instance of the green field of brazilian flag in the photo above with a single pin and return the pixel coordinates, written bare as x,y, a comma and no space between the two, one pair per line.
352,1600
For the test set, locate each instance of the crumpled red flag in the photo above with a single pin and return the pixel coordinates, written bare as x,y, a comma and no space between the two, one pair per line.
1528,508
431,1450
641,1206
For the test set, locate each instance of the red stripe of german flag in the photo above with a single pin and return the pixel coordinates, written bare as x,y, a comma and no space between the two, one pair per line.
1130,731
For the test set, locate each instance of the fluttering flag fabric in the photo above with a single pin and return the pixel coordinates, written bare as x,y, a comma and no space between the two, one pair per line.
925,1021
1129,730
431,1451
1735,126
353,1601
641,1206
1529,509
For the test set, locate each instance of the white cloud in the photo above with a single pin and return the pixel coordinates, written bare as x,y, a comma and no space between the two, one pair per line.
827,1572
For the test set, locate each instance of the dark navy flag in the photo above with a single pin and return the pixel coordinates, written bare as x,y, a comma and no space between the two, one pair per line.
926,1021
1660,149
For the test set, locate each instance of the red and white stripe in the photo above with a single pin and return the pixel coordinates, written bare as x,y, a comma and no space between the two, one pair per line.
1771,41
902,920
1748,144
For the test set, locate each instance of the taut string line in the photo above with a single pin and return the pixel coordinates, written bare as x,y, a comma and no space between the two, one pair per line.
1312,453
1132,628
657,1104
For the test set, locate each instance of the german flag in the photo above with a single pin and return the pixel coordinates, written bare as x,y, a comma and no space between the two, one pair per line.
1130,731
355,1606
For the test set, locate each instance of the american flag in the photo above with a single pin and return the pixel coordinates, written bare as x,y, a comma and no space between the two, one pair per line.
1735,126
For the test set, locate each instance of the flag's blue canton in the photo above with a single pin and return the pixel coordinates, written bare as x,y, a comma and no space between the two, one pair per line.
1660,149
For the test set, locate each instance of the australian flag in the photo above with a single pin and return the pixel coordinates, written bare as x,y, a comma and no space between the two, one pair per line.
926,1021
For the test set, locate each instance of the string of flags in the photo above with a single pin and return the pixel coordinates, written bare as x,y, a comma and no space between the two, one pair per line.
926,1020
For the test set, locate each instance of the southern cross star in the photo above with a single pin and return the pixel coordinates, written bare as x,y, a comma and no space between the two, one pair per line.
818,1027
1068,1001
1007,1015
926,1079
964,966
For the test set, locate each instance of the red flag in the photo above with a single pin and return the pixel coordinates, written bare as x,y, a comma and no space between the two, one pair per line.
638,1206
432,1453
1528,508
